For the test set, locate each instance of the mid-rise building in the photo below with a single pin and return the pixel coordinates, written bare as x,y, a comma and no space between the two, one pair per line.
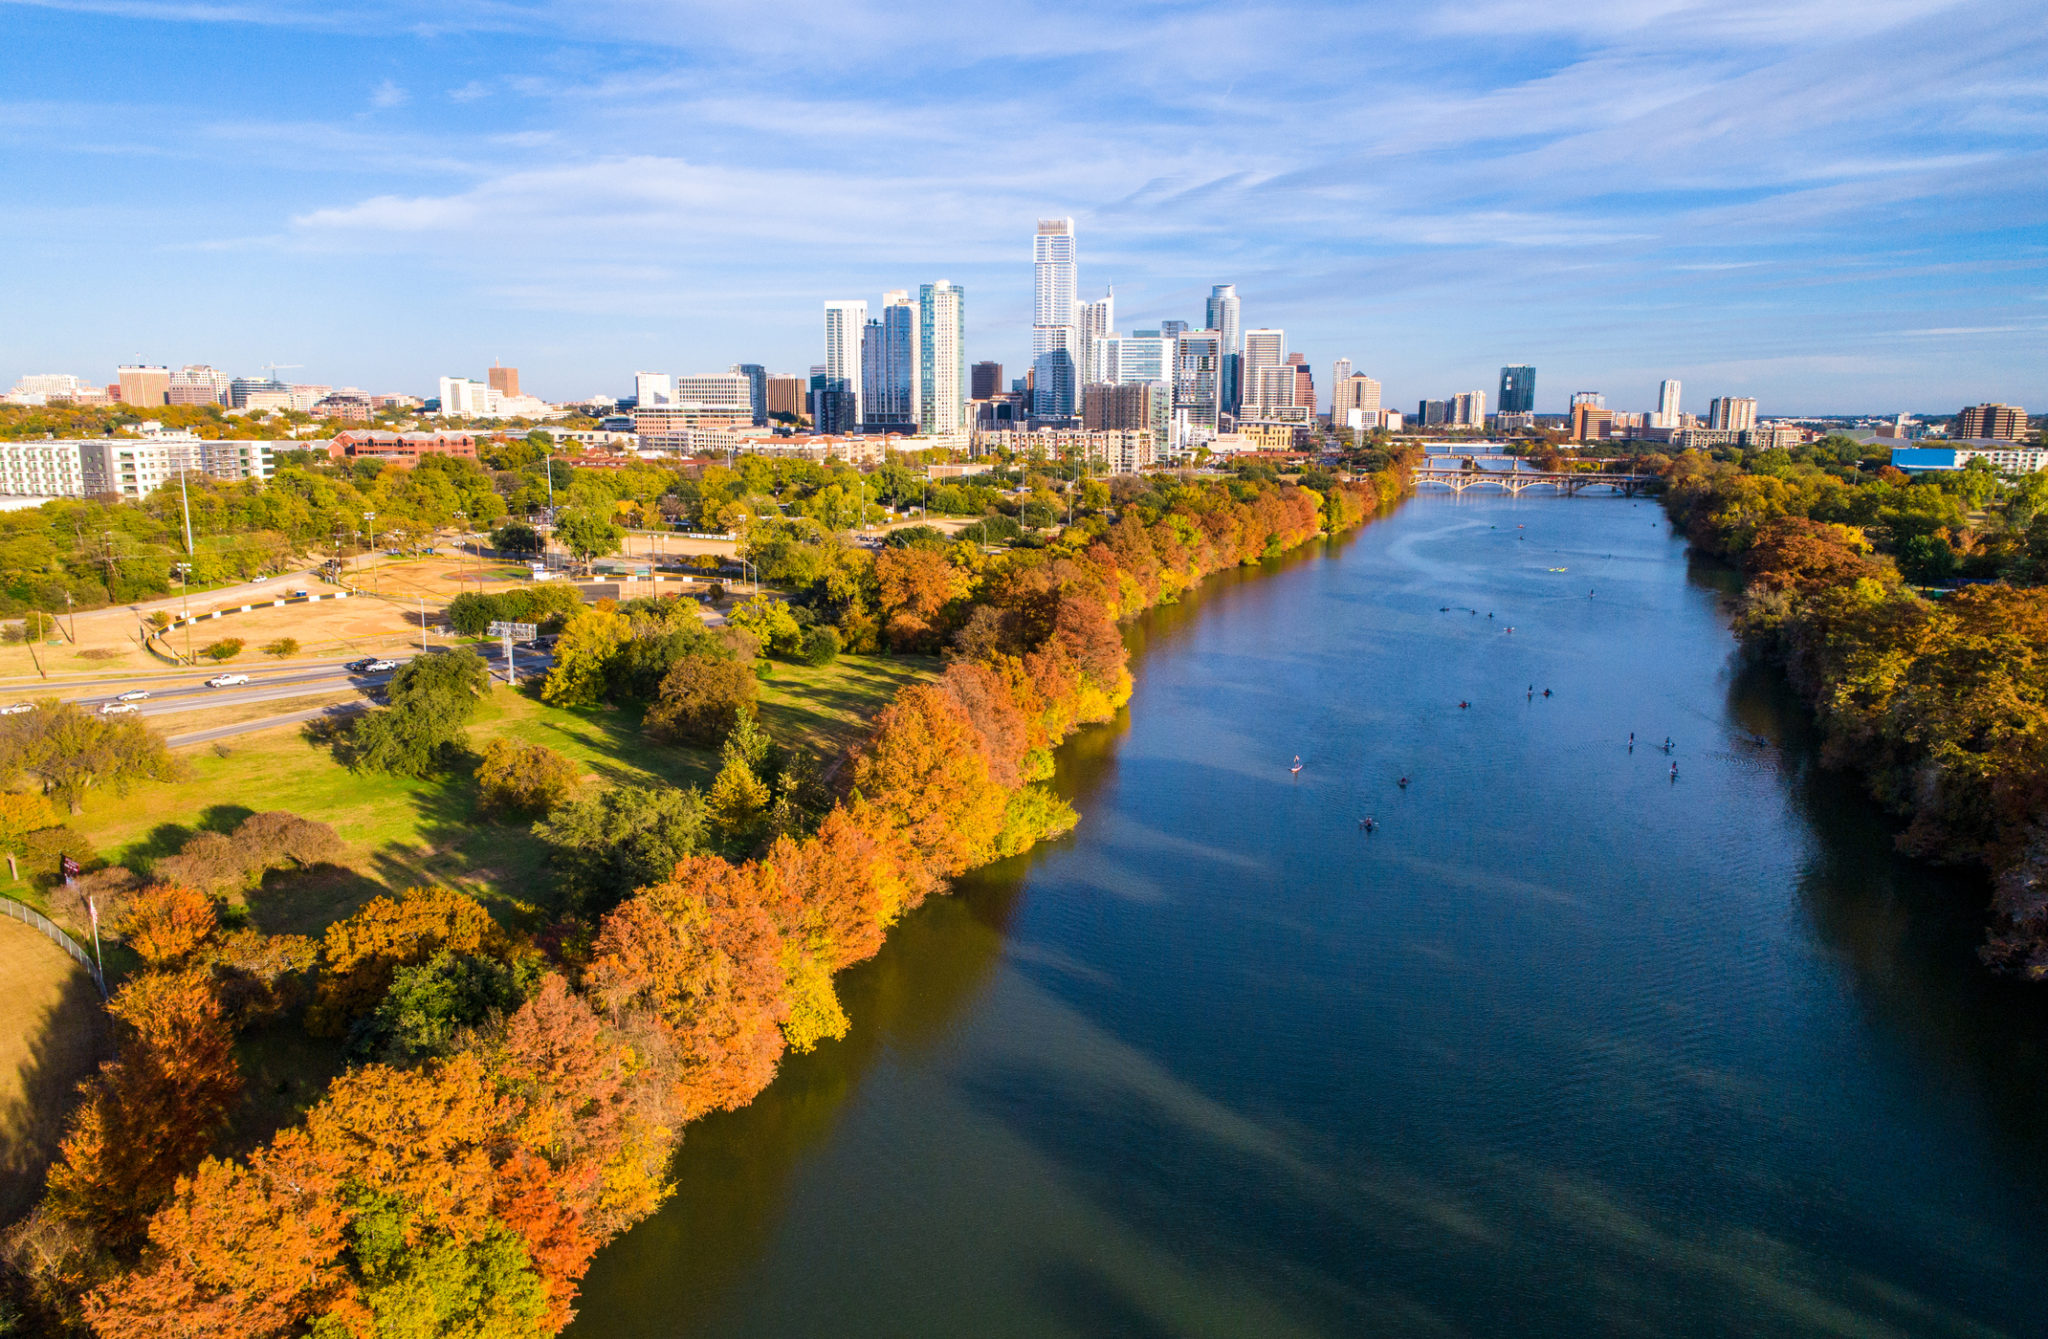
39,388
145,386
42,469
1340,372
1304,383
1518,389
465,397
941,358
985,381
198,384
653,389
346,406
2014,460
503,380
1668,412
757,390
1144,356
1593,398
1590,422
1055,338
2002,422
785,395
1117,452
134,469
1467,410
1732,413
1262,348
1270,387
1135,406
401,450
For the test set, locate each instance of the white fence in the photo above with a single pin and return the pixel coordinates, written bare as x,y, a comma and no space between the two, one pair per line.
29,916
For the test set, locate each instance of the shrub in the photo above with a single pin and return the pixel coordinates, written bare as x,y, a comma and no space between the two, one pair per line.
528,779
282,647
227,648
698,698
820,646
216,863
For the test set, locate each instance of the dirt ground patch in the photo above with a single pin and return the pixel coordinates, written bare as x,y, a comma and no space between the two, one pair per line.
51,1034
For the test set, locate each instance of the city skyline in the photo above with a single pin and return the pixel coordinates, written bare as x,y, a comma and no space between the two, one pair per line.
1749,198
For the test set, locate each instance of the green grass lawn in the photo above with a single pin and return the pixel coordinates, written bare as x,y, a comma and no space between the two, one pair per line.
401,832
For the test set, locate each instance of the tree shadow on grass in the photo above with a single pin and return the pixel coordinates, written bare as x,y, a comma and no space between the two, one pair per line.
307,901
64,1046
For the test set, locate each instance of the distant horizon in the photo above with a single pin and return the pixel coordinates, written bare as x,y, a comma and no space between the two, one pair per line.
1799,202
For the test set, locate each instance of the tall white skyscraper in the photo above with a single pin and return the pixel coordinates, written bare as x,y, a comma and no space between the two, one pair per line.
941,357
1096,322
1340,372
1198,382
845,324
1667,405
1262,348
1054,336
1227,320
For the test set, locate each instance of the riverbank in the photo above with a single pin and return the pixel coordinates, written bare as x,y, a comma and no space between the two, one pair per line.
1562,1048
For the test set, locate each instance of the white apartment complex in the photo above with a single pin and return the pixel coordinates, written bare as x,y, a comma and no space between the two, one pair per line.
125,466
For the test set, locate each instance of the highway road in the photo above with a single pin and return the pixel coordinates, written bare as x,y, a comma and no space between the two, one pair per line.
169,696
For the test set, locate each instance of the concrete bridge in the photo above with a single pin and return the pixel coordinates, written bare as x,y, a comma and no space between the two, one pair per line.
1457,478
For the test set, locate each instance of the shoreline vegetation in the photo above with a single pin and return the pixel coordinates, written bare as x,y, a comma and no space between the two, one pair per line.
1909,614
516,1093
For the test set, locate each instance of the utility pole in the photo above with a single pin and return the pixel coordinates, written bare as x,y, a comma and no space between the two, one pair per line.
185,501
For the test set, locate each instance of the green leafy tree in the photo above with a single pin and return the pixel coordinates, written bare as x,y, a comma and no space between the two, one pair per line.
227,648
772,622
588,642
432,699
517,538
603,847
525,778
587,534
699,697
69,751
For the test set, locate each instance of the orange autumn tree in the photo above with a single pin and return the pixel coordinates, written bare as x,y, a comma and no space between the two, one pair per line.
918,586
167,923
362,953
925,772
148,1116
699,952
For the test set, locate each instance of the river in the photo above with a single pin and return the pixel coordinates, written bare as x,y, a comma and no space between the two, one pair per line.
1564,1047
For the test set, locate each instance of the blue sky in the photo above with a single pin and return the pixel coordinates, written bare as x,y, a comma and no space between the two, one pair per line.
1834,207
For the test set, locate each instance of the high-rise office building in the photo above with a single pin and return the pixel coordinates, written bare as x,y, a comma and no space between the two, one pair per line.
1144,356
1055,340
785,394
1518,389
941,357
1466,410
1198,378
1667,404
757,390
145,385
1262,348
985,381
2005,422
1226,318
1304,383
1270,387
889,362
845,323
1592,398
503,380
1732,413
1340,372
1356,392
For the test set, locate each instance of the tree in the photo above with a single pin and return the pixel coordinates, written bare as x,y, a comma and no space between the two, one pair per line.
70,751
148,1116
282,648
604,846
167,924
771,621
739,803
432,698
699,698
586,534
518,539
227,648
588,642
430,1002
21,814
917,586
525,778
362,953
925,771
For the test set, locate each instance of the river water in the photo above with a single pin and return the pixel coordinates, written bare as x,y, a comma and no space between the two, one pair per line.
1564,1047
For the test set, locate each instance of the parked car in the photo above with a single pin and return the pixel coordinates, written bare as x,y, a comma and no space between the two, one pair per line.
301,594
117,708
17,709
226,680
133,695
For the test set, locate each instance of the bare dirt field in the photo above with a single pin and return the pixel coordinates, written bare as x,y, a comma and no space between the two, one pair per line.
51,1033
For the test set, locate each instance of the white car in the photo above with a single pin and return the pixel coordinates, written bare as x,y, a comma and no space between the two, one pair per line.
17,709
116,708
226,680
380,666
133,695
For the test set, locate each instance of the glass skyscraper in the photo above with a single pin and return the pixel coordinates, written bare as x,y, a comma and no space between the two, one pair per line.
1518,389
